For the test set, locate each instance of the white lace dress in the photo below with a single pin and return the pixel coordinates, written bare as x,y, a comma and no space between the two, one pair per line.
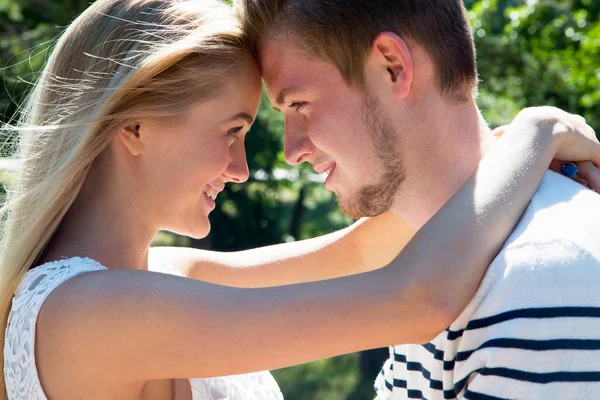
20,374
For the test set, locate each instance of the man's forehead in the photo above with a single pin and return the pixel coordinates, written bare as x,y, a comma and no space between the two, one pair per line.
274,55
278,66
285,65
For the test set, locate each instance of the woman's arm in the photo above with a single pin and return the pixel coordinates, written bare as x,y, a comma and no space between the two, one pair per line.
155,326
368,244
471,227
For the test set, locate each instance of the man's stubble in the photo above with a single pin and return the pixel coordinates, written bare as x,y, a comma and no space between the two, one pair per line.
376,198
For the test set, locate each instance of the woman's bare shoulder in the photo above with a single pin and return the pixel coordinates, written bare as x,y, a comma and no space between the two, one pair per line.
93,326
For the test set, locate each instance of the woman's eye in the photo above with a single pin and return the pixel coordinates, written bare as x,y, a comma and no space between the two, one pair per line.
298,105
235,131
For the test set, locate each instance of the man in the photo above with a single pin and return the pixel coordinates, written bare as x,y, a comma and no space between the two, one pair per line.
380,95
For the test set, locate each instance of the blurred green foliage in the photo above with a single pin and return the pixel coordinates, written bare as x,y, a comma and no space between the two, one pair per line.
529,53
532,52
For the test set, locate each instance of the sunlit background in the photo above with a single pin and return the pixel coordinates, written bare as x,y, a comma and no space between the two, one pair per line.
531,52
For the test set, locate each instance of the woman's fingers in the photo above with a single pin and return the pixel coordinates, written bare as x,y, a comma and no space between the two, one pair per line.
589,132
581,119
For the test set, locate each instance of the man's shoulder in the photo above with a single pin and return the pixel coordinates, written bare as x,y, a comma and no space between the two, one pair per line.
553,253
536,311
555,190
560,227
561,211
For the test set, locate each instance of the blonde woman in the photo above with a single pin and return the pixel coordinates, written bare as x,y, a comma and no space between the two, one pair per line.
137,122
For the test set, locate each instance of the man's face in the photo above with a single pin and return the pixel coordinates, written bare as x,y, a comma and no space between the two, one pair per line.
340,131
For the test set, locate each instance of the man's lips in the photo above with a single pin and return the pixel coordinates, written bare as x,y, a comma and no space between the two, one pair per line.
327,170
320,169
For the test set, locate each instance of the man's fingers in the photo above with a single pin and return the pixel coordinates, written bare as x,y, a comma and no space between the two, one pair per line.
556,165
585,170
499,131
590,173
581,181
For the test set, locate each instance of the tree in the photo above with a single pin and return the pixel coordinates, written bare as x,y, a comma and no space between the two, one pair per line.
529,53
538,53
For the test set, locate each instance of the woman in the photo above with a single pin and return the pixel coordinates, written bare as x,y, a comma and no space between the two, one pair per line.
138,119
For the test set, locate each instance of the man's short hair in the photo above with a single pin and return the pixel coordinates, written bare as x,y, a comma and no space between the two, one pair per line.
342,32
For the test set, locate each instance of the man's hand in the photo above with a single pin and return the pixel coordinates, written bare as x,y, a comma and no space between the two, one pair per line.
588,174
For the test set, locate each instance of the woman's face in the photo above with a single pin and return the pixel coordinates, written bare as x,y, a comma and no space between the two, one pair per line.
187,162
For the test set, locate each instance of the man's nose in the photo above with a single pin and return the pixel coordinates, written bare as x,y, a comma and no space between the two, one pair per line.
297,145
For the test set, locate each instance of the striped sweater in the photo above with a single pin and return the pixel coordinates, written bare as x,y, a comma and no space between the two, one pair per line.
532,330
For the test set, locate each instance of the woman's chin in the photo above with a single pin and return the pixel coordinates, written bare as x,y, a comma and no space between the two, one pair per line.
198,231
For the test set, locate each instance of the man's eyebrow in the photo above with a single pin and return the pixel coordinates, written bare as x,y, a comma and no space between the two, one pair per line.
245,116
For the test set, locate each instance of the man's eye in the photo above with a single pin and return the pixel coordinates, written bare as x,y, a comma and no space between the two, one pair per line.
298,105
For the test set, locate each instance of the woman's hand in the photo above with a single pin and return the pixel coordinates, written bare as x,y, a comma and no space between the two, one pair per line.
575,141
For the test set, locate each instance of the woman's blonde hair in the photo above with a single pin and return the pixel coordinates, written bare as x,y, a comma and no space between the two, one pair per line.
119,61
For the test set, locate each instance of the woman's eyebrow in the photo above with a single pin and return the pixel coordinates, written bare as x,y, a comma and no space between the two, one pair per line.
245,116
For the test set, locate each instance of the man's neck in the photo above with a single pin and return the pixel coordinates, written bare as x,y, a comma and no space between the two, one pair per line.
460,136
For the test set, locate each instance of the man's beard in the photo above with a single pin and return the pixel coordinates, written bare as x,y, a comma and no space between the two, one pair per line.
377,198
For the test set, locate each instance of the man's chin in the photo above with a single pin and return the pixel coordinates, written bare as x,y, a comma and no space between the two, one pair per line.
354,210
354,214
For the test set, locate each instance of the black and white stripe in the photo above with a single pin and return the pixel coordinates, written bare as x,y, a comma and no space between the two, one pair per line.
532,331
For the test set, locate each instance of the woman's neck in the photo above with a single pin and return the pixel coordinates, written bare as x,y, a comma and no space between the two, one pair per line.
104,225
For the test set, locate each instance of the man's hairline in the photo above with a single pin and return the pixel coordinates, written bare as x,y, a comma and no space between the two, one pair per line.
279,34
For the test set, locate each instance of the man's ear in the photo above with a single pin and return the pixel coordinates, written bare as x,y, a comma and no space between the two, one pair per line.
391,56
131,138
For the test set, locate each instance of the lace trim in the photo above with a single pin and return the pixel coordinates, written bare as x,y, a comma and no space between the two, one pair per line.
255,386
20,372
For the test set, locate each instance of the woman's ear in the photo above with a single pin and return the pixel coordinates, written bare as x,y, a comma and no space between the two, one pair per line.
131,137
392,57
